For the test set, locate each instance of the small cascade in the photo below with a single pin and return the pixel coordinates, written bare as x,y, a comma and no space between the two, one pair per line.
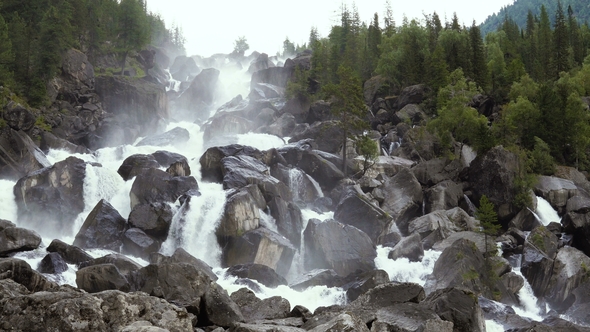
545,212
296,184
193,226
470,205
402,270
316,186
260,141
267,221
393,146
528,301
9,209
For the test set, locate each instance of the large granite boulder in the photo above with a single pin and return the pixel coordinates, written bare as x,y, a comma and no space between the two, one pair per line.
154,219
15,239
103,228
136,164
174,136
288,219
459,306
278,76
51,198
52,263
443,196
137,243
22,273
101,277
402,198
555,190
333,245
327,135
18,117
538,259
211,166
261,273
578,225
240,171
184,68
570,270
195,102
219,308
19,155
241,212
125,266
255,309
71,254
157,186
355,209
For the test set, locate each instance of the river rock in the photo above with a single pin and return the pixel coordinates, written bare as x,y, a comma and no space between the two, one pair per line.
22,273
409,247
355,209
288,219
260,246
52,263
403,198
52,198
154,219
137,243
255,309
211,166
261,273
459,306
71,254
15,239
136,164
364,282
220,309
155,185
538,259
555,190
103,228
97,278
241,212
341,247
172,137
168,159
578,224
571,269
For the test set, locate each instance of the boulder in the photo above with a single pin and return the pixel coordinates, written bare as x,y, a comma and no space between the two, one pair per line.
571,269
51,142
101,277
261,273
266,91
411,114
288,219
181,256
417,144
172,137
52,263
304,188
4,224
345,322
156,186
319,110
278,76
15,239
408,317
226,124
184,68
493,174
19,156
240,171
220,309
326,173
337,246
241,212
154,219
459,306
18,117
414,94
211,166
443,196
478,238
283,126
555,190
389,294
71,310
255,309
195,102
373,88
574,175
317,277
538,259
22,273
403,198
578,204
260,246
135,103
327,135
137,243
364,282
71,254
355,209
298,106
135,165
386,165
513,282
260,63
168,159
103,228
578,225
409,247
125,265
450,221
53,197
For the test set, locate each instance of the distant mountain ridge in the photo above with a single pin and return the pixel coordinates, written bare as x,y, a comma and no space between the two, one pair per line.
519,9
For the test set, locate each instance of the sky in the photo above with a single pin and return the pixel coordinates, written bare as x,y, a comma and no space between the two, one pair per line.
212,26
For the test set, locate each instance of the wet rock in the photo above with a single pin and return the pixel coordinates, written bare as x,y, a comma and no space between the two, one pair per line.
304,188
344,322
341,247
52,198
71,254
387,165
52,142
459,306
52,263
241,213
364,282
155,186
282,127
255,309
409,247
15,239
211,166
220,309
135,165
197,99
154,219
513,282
408,317
226,124
317,277
525,220
578,204
168,159
182,256
101,277
103,228
403,198
172,137
137,243
278,76
125,265
184,68
266,91
260,246
555,190
327,135
288,219
261,273
479,239
325,172
538,259
578,224
356,210
570,270
4,224
240,171
22,273
443,196
17,117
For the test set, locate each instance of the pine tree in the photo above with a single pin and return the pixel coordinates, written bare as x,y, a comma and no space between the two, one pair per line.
389,28
488,219
133,28
575,38
560,43
54,38
6,55
478,58
313,37
544,42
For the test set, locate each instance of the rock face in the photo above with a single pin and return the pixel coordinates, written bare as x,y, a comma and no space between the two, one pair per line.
140,107
19,155
340,247
135,165
103,228
493,175
255,309
459,306
154,219
52,197
403,198
196,100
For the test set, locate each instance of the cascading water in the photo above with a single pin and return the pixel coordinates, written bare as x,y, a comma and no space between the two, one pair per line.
545,212
402,270
7,201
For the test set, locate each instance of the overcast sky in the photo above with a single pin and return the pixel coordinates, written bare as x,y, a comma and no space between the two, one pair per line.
212,26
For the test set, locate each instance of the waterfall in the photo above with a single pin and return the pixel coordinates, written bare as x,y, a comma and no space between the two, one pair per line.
296,183
545,212
472,208
402,270
9,209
